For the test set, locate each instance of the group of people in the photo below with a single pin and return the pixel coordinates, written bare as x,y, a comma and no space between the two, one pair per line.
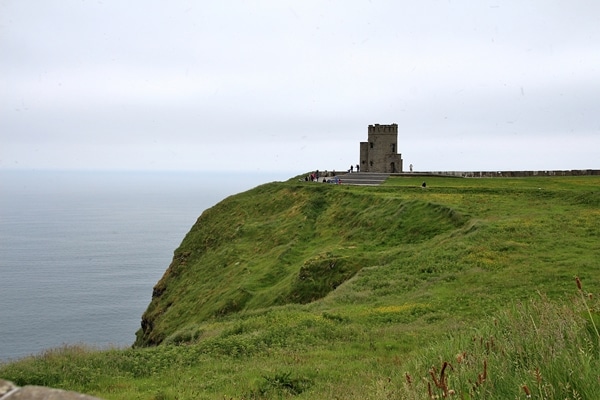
314,177
327,177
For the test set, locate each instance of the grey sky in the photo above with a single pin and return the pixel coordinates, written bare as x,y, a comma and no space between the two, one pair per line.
293,85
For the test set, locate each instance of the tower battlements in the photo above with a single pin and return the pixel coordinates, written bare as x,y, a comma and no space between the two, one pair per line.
391,129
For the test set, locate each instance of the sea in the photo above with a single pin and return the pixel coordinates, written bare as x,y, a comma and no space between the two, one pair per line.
80,251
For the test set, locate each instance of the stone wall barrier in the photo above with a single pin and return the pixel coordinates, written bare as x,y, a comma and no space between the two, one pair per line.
504,174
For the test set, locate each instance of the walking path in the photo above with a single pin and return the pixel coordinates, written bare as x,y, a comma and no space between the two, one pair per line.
363,178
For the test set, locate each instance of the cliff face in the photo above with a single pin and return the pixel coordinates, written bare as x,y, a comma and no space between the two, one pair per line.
282,243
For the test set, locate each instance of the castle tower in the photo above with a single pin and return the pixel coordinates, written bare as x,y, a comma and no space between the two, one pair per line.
380,153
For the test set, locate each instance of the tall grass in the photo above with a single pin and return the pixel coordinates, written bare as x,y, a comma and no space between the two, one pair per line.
533,349
538,349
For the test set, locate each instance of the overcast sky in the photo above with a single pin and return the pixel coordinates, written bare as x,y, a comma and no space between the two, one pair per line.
293,85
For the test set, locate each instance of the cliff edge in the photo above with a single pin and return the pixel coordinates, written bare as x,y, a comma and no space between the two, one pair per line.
282,243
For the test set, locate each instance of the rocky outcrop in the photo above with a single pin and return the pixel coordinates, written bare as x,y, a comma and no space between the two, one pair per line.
9,391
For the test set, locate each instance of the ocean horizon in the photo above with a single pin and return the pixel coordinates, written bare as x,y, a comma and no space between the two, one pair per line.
80,251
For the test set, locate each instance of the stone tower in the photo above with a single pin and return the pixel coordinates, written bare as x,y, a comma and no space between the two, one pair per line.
380,153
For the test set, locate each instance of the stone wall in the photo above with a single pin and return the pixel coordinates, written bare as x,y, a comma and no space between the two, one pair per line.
505,174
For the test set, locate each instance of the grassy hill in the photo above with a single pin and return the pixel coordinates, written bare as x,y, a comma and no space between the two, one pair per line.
307,290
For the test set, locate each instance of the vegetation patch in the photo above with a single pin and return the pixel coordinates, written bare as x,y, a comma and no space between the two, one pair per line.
321,275
280,384
464,289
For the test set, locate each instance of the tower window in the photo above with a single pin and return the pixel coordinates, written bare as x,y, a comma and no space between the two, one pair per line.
371,144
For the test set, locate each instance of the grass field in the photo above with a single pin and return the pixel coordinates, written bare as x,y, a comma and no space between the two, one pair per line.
303,290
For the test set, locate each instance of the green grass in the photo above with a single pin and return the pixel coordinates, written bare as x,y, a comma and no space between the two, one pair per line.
305,290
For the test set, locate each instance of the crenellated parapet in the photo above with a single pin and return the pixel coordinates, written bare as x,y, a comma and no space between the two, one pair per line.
378,129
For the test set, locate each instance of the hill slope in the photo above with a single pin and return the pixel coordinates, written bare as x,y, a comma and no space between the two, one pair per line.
459,244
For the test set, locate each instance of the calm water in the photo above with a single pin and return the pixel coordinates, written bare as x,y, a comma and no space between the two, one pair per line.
81,251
